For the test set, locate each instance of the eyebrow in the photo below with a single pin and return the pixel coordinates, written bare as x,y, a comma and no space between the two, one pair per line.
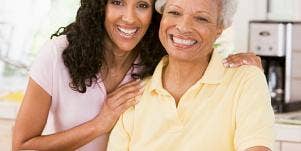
148,1
197,12
173,5
203,12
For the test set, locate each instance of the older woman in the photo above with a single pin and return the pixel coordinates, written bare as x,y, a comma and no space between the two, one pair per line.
193,103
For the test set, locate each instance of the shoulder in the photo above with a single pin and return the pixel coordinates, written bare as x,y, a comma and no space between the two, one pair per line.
247,73
52,50
49,56
53,47
59,44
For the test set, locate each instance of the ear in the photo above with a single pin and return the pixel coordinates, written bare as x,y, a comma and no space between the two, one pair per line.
220,29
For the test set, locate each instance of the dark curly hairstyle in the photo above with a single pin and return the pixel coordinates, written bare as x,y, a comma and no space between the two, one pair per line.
84,55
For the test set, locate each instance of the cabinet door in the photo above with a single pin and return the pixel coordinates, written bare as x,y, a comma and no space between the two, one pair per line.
290,146
281,9
284,10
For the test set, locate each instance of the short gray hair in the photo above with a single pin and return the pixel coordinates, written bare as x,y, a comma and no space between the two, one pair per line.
228,9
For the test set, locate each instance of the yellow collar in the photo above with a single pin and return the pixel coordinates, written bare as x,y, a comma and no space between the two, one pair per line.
213,75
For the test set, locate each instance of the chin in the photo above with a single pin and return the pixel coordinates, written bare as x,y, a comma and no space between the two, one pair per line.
180,57
127,48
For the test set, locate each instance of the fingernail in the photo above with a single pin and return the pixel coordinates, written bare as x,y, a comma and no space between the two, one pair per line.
226,64
244,61
142,83
141,89
137,99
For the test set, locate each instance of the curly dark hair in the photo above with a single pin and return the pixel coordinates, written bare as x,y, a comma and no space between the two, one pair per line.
84,55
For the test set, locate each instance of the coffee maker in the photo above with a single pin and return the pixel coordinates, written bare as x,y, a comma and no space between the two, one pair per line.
278,43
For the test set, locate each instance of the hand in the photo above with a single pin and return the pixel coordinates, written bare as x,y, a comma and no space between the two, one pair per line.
116,103
240,59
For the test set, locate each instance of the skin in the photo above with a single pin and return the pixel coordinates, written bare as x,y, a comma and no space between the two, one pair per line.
239,59
128,14
197,21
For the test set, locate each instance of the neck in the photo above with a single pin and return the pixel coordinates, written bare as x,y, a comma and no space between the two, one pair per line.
116,61
115,58
180,75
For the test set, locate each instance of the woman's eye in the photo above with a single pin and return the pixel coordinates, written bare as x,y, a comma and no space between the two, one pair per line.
202,19
174,13
114,2
143,5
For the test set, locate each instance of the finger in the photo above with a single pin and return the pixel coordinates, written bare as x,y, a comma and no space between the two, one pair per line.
126,89
129,84
249,57
233,61
242,55
123,107
126,97
243,59
258,60
134,82
236,54
230,59
236,62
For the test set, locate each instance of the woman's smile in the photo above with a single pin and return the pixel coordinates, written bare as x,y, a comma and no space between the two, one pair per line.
182,41
127,32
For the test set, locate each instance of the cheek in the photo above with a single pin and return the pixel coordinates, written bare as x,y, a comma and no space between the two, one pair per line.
164,26
112,15
207,34
163,31
145,17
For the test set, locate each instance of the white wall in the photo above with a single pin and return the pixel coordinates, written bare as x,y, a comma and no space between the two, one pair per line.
247,10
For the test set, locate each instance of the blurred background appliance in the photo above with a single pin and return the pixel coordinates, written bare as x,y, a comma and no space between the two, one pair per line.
279,46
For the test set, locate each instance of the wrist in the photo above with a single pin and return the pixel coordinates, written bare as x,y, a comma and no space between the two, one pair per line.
100,126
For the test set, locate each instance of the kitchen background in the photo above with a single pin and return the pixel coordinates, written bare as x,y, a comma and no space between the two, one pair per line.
26,24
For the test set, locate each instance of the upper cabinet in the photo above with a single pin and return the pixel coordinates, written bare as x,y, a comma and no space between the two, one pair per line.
284,10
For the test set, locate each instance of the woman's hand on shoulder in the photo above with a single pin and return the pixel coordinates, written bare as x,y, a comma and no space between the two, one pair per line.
116,103
240,59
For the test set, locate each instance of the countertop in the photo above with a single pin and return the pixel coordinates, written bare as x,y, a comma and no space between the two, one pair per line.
288,127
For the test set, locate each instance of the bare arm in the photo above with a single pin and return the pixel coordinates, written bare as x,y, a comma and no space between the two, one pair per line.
34,111
258,148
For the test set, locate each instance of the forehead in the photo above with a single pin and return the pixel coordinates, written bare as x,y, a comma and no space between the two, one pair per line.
194,5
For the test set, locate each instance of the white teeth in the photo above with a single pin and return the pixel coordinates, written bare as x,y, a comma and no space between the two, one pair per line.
183,41
127,32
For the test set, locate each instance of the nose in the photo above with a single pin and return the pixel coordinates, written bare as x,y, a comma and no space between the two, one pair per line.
184,25
129,16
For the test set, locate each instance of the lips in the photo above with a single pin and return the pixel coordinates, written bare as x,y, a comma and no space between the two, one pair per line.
182,42
127,32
